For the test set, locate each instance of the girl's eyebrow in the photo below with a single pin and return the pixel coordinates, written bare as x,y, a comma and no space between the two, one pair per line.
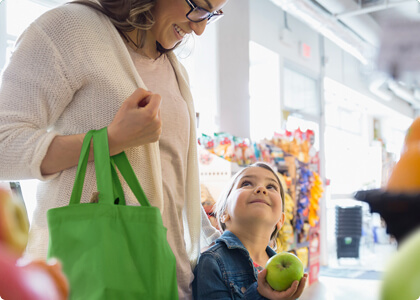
253,177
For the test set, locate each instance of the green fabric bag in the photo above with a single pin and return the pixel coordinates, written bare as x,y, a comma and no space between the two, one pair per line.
109,250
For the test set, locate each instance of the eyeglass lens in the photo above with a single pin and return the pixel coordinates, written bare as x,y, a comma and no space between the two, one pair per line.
198,14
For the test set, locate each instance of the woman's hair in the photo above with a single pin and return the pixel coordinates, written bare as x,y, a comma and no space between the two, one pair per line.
127,15
222,203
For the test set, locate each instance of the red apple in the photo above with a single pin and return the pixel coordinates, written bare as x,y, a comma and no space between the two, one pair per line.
37,280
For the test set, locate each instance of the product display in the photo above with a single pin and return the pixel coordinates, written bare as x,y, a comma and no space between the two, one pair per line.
302,196
314,254
225,147
303,254
296,143
285,237
315,194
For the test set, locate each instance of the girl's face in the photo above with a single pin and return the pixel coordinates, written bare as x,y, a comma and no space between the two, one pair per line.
171,24
255,197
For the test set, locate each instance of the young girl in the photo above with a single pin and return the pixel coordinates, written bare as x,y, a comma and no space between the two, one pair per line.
250,212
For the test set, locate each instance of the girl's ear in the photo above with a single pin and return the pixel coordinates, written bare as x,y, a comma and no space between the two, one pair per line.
225,217
281,221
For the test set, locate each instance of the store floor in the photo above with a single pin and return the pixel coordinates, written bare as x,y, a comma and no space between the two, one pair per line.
330,288
350,279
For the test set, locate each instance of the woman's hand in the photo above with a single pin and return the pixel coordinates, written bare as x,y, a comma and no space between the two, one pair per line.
292,293
136,123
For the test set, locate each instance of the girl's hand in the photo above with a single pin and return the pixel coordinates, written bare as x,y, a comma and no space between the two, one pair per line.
292,293
136,123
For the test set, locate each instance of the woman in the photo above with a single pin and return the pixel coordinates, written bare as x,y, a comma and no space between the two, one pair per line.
88,65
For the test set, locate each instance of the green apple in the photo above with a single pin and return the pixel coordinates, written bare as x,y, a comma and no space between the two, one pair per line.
282,269
402,273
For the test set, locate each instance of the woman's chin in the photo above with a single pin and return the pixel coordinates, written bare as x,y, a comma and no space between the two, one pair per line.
169,45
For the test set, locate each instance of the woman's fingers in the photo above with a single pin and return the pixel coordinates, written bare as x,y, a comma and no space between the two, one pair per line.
136,123
136,98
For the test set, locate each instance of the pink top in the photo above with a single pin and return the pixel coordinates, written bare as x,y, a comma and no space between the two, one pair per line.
159,77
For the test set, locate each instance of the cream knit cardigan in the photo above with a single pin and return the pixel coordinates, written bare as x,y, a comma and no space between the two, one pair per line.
69,73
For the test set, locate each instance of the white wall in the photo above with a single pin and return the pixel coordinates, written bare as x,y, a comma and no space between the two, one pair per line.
199,56
271,28
233,53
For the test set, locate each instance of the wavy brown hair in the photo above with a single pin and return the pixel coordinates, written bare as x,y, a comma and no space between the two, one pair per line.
128,15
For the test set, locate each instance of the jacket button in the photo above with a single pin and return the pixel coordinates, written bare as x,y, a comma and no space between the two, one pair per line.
243,290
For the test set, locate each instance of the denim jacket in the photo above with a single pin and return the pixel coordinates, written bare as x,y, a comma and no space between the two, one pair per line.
226,271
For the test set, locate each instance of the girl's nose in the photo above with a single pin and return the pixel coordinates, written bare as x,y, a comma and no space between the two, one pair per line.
199,27
261,190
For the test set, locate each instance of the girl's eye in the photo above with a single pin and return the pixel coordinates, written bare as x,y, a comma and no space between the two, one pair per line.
272,186
245,183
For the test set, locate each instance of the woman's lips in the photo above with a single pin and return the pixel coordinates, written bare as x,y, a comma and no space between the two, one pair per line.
179,32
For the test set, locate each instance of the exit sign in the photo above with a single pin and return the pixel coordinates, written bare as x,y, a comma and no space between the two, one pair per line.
305,50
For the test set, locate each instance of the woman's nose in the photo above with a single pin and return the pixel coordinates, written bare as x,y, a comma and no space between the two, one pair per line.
199,27
261,190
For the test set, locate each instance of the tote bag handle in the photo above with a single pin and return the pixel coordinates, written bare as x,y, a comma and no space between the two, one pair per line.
106,175
124,166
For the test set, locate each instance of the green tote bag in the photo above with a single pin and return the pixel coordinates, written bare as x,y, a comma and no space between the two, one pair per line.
109,250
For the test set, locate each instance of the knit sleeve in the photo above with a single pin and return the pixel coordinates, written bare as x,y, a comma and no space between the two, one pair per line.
209,234
34,91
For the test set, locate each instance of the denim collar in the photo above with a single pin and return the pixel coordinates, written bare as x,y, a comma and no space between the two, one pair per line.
232,242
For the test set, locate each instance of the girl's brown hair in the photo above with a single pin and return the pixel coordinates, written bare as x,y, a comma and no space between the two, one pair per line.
222,203
127,15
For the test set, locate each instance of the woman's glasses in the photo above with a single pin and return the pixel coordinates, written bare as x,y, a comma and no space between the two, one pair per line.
198,14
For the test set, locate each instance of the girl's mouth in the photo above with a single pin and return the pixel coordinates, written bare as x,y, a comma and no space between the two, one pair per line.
260,201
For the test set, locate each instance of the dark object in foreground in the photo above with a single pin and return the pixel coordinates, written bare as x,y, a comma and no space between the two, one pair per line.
400,211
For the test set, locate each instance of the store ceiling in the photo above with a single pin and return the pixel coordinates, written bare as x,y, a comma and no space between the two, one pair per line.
358,27
369,19
366,17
